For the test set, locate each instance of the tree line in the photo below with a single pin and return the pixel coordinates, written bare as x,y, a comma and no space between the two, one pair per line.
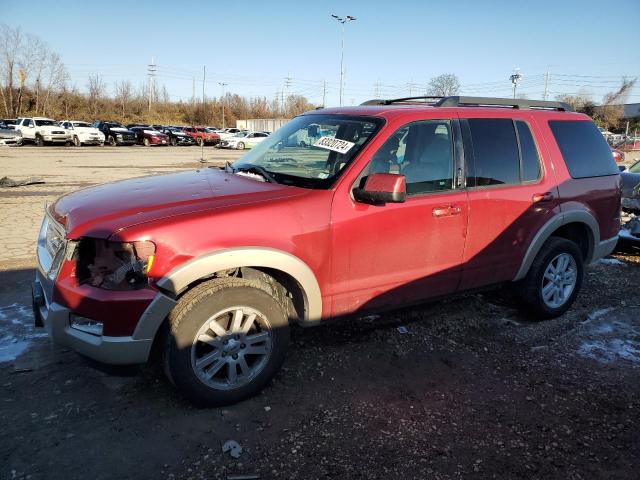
35,82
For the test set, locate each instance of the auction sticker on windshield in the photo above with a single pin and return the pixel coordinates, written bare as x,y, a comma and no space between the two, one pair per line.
334,144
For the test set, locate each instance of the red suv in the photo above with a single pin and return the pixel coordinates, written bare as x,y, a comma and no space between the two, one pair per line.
202,135
390,205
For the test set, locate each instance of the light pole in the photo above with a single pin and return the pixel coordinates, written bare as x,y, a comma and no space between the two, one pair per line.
515,79
222,84
342,20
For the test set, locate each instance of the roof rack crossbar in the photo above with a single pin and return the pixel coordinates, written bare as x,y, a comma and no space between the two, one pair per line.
457,101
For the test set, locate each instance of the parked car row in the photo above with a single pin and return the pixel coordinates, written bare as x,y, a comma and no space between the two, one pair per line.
42,131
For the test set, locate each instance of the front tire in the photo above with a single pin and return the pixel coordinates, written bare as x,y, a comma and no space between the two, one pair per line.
39,141
173,142
111,141
146,142
228,338
553,281
77,142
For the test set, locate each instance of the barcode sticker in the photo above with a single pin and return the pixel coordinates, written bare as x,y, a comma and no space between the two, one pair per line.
334,144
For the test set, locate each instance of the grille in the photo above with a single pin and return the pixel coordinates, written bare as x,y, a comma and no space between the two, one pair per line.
57,133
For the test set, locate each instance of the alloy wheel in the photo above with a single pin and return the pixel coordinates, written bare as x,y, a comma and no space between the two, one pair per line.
231,348
559,280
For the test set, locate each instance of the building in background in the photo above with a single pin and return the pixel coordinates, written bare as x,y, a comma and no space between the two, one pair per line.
261,124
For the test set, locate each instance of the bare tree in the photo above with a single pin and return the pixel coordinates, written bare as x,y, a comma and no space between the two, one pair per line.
610,114
444,85
97,88
124,94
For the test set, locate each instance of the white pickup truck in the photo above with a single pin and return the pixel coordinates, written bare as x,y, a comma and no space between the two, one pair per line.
42,130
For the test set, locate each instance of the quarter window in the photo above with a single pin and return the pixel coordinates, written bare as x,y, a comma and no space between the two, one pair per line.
529,153
584,149
422,152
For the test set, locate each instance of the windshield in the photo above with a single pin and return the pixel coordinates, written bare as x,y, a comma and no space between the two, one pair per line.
311,150
240,134
41,123
115,125
81,124
635,168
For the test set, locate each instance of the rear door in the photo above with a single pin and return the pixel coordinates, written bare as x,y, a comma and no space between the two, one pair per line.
511,195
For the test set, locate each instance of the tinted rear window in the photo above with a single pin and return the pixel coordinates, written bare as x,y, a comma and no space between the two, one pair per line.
584,149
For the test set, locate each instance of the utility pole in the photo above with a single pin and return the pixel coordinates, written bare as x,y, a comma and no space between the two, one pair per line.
151,75
546,85
287,84
324,92
515,79
204,111
193,93
342,20
222,84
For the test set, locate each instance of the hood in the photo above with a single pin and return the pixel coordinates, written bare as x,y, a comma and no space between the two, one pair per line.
51,128
105,209
86,130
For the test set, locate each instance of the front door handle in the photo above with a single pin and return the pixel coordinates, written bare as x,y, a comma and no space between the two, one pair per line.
447,211
542,197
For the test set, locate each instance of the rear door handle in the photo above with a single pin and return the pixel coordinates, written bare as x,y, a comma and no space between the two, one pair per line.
542,197
447,211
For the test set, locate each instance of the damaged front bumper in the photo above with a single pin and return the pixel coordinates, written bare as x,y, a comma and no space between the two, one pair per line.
84,335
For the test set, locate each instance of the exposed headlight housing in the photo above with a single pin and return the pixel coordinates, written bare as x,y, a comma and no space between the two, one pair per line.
114,265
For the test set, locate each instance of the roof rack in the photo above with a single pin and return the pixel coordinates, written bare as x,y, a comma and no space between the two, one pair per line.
456,101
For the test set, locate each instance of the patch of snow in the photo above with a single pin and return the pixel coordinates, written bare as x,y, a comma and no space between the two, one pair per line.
599,313
17,332
610,336
611,261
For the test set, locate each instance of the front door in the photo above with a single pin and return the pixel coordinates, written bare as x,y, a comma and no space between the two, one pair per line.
386,256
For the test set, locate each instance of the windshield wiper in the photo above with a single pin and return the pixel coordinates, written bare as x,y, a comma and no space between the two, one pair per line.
228,168
259,170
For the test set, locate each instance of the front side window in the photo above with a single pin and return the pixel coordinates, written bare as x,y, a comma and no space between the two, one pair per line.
422,152
311,151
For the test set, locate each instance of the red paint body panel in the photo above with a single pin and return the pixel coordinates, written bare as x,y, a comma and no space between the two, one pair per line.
364,257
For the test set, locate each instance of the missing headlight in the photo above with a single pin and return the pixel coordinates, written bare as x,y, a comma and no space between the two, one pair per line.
114,265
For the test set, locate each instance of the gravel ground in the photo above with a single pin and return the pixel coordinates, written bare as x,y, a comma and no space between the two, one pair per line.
471,389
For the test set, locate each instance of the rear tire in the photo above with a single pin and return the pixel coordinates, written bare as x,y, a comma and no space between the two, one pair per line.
240,146
208,354
553,281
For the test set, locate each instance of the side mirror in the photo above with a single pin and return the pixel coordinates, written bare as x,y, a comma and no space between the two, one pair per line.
621,168
381,188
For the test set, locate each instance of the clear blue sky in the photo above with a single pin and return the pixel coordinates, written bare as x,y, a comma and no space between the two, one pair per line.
399,45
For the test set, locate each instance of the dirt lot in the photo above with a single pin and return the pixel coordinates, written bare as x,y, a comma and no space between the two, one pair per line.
471,389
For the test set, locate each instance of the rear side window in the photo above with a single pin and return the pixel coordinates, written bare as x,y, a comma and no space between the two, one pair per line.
530,160
584,149
495,151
